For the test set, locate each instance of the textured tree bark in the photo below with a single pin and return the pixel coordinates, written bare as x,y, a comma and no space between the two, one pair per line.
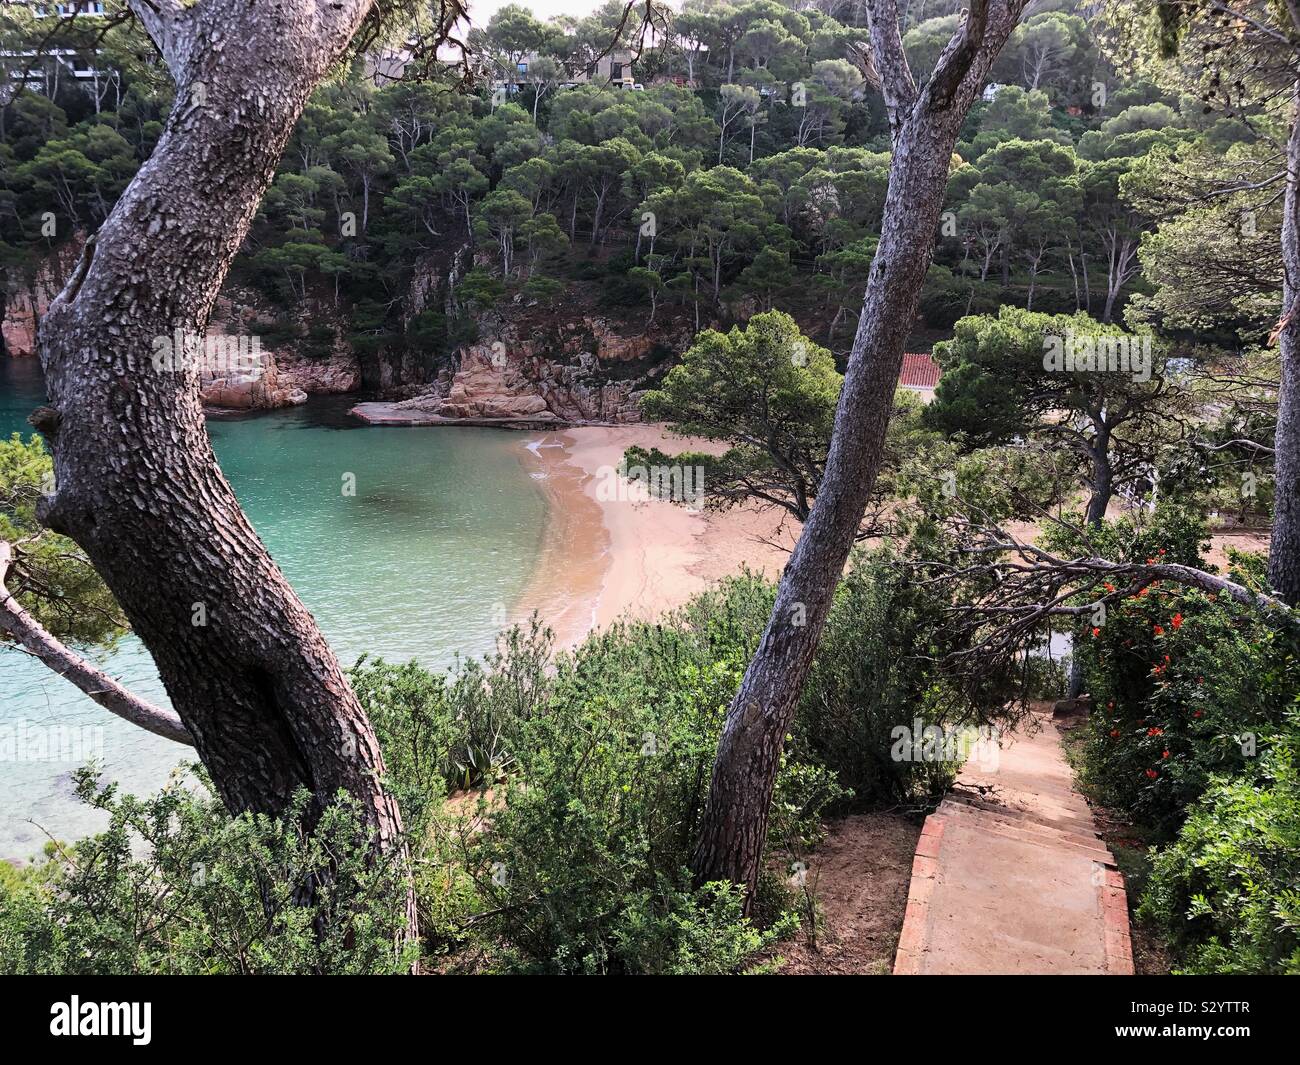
1284,544
138,486
924,126
1103,477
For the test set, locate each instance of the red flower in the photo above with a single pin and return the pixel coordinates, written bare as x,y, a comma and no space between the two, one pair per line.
1152,774
1155,732
1110,706
1198,714
1159,631
1151,562
1176,621
1096,633
1114,732
1161,551
1165,755
1108,586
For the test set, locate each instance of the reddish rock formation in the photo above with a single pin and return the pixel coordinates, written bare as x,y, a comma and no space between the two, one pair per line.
577,372
29,297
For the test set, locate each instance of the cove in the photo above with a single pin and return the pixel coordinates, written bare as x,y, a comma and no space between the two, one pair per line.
424,561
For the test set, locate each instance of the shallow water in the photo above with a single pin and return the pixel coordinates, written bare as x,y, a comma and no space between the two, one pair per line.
427,559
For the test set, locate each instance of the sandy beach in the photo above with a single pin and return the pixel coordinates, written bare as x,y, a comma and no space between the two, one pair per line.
613,553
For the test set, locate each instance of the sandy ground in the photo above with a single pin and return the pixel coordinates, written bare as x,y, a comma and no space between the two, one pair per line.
612,552
859,879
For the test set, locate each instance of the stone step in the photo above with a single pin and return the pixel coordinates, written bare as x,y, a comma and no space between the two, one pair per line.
1082,826
985,822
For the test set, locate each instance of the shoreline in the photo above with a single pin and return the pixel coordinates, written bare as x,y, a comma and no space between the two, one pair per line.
631,557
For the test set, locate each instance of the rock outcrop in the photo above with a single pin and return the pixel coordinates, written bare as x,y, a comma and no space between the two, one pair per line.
28,297
280,377
263,387
583,371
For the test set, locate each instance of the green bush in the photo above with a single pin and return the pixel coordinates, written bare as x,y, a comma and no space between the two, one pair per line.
176,885
1228,890
584,868
1184,684
877,669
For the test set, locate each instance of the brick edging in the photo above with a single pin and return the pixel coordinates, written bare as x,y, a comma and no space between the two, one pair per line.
1115,926
925,864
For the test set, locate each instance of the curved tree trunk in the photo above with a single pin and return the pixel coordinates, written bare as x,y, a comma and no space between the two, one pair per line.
138,486
925,127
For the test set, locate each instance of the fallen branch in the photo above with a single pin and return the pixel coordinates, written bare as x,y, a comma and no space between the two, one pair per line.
31,635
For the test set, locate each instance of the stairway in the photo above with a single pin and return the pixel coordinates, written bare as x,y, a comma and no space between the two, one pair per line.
1010,876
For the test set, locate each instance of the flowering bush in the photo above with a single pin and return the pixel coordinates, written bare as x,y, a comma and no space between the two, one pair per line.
1185,684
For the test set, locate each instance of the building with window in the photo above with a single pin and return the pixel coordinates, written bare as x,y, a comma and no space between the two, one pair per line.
79,8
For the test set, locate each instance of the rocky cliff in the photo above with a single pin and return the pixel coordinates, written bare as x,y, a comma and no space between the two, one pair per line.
530,368
283,375
28,294
530,364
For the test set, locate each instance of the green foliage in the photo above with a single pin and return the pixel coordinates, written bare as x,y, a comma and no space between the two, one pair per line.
51,577
593,810
378,182
767,391
1185,684
592,843
175,885
876,670
1226,890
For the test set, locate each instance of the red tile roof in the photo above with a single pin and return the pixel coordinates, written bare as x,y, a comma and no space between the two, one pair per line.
919,371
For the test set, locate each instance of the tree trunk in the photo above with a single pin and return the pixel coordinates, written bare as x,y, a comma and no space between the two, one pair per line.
924,127
248,671
1284,544
1102,479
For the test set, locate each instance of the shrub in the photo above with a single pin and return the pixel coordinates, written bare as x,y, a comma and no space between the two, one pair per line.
1184,684
584,868
877,668
442,732
206,893
1227,891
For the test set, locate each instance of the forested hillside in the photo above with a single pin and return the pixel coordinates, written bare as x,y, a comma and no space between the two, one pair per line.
745,171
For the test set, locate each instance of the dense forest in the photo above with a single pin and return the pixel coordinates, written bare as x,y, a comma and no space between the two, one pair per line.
760,185
1105,180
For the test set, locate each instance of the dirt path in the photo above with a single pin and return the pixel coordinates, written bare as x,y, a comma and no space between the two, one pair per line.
1009,875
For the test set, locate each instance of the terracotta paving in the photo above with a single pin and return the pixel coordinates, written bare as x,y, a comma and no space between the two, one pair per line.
1009,874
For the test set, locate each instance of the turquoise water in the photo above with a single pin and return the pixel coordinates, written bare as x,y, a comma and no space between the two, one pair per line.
423,562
